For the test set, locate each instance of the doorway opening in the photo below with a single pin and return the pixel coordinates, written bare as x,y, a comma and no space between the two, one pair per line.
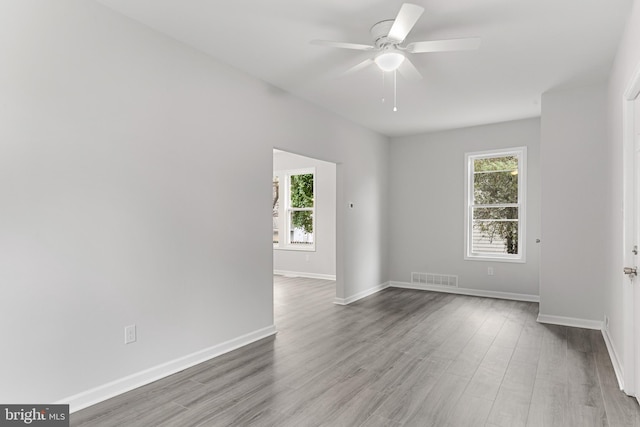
304,217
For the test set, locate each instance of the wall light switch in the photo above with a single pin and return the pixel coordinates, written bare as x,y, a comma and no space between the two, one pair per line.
490,271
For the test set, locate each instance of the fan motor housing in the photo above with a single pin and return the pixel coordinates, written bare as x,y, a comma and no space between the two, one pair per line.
380,32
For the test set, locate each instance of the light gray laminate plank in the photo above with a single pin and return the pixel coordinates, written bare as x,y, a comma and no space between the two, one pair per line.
358,410
621,410
509,333
331,403
604,366
251,417
140,400
470,357
548,403
579,339
378,421
444,333
552,364
441,402
530,341
410,395
486,381
159,415
585,416
470,411
549,398
511,406
260,405
394,370
529,345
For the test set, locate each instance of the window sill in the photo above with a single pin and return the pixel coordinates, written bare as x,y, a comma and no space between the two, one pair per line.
295,248
520,260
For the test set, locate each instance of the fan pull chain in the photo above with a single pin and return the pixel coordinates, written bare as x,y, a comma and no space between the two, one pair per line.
395,93
383,73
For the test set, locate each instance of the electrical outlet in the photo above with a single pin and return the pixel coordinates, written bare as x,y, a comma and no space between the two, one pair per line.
606,323
489,271
307,257
129,334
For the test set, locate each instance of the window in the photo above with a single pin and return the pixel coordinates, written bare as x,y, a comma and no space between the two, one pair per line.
295,216
495,205
276,211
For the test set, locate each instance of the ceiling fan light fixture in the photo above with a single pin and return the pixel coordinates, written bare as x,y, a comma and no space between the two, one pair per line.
389,60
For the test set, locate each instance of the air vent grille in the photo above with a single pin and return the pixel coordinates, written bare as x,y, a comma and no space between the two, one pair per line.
434,279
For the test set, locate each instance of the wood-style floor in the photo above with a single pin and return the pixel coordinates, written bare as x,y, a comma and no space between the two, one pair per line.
397,358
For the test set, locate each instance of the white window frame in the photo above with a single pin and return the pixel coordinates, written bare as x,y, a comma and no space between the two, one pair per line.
521,154
284,210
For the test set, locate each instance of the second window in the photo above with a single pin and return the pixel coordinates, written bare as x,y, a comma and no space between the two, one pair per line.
495,203
294,209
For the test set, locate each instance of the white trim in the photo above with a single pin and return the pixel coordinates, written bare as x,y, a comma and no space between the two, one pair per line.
466,291
114,388
615,360
360,295
570,321
306,275
633,89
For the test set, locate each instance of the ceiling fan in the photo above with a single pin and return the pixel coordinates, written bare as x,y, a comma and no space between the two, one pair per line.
388,36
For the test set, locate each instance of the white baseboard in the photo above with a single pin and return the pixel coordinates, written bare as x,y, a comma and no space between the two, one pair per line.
467,291
106,391
570,321
306,275
615,361
360,295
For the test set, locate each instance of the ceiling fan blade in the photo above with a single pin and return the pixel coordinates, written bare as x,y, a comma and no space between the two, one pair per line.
362,65
471,43
409,71
342,45
404,22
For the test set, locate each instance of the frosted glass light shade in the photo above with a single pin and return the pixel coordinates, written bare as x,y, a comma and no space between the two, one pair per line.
389,61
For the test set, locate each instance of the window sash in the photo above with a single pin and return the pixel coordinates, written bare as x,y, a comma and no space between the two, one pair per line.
306,239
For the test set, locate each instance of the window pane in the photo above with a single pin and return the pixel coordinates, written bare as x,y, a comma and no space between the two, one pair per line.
497,237
301,226
495,213
276,209
495,180
508,163
302,191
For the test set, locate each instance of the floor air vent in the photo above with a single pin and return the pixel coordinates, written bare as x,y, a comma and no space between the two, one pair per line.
434,279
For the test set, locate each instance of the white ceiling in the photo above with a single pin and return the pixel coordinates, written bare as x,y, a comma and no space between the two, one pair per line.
528,47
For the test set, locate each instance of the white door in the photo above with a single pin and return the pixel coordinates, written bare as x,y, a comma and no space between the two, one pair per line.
631,288
636,282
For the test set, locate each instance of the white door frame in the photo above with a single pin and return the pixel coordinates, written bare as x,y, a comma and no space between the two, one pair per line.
631,350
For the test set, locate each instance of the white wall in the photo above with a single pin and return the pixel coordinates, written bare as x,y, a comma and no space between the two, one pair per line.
322,261
626,62
427,206
124,177
575,194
